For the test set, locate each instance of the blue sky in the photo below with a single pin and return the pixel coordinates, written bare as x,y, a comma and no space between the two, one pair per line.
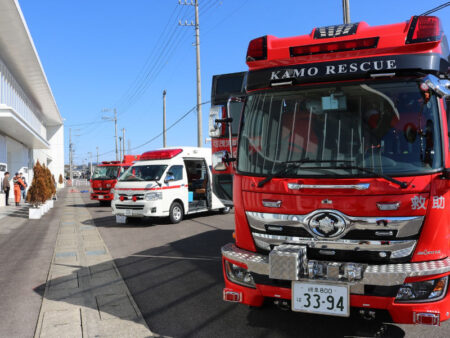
112,53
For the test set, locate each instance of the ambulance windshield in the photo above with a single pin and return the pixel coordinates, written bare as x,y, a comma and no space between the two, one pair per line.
389,128
143,173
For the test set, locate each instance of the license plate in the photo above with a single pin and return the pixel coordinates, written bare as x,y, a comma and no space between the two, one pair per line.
100,197
321,298
128,212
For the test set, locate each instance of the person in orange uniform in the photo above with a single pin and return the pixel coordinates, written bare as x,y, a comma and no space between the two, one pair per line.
17,184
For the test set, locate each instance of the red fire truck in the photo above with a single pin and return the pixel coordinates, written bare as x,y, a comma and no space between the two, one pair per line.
105,177
343,174
224,120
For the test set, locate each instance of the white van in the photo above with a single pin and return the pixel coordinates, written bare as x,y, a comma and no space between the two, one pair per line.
170,182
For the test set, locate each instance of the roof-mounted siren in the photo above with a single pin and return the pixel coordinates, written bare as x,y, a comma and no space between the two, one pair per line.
424,29
257,49
163,154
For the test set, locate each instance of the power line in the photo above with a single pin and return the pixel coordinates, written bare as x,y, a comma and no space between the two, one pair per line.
154,64
148,59
209,29
438,8
161,133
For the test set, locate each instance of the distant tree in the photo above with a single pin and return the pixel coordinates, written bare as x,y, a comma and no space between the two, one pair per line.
60,179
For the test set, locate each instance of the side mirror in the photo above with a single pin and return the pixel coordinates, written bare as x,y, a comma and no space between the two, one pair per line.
221,159
169,177
215,129
440,86
218,160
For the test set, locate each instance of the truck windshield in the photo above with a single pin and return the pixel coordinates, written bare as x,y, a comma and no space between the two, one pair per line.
105,173
143,173
388,128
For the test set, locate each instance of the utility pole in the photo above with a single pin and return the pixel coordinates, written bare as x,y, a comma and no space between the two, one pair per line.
129,146
346,11
70,155
90,164
115,128
164,118
120,147
123,143
97,155
199,87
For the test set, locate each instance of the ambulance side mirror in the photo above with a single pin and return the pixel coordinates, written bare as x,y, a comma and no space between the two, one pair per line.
169,177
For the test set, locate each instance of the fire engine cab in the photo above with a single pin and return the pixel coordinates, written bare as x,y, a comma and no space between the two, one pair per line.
170,182
342,186
105,177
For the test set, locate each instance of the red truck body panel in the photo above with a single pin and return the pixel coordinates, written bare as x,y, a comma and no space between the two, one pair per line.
408,50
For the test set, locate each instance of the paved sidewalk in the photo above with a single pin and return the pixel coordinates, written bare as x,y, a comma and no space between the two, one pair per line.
85,296
14,211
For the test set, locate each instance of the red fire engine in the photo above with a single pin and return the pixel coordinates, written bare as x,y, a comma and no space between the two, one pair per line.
223,136
343,173
105,177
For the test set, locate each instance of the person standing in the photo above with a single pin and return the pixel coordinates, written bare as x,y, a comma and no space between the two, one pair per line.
6,186
18,183
23,188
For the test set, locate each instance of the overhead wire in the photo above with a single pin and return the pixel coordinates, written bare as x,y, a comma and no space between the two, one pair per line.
435,9
148,60
157,63
161,133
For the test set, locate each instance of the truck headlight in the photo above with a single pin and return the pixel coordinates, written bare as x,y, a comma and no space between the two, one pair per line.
115,194
239,275
430,290
153,196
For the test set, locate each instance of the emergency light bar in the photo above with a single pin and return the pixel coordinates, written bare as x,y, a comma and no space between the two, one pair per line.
424,29
257,49
110,162
332,47
163,154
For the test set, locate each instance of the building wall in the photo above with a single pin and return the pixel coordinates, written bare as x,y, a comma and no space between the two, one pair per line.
17,155
12,95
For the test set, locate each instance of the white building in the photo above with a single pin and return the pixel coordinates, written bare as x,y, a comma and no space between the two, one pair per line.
31,127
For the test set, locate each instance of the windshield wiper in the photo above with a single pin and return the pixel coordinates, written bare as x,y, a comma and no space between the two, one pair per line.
401,184
289,165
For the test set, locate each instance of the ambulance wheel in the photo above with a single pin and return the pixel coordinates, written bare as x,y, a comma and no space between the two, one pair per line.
176,213
225,210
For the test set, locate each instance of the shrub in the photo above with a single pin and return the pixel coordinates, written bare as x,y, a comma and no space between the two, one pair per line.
38,192
60,179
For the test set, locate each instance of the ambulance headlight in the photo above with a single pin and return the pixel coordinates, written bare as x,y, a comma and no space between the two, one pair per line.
115,194
430,290
153,196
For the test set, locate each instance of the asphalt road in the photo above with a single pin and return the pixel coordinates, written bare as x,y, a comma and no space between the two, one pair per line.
174,274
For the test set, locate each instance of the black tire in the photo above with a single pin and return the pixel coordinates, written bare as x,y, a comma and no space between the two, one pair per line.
104,203
176,213
225,210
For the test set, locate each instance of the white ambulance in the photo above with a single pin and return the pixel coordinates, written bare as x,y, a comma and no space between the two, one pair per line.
169,182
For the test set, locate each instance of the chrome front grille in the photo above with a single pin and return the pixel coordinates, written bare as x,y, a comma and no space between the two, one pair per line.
360,239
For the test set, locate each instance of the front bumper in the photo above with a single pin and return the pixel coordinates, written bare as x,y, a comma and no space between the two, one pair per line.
372,277
102,196
139,208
